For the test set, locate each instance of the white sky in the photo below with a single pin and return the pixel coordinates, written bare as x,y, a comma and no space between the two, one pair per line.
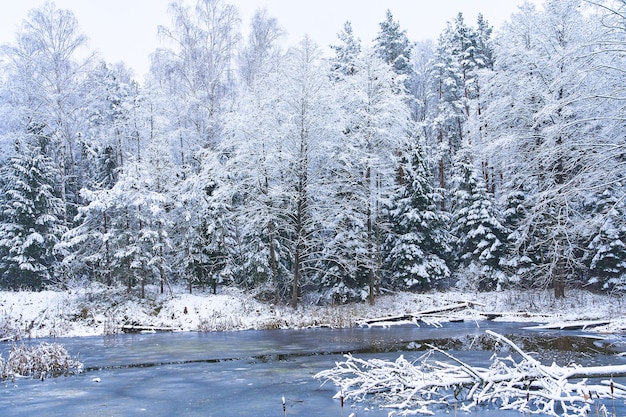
125,30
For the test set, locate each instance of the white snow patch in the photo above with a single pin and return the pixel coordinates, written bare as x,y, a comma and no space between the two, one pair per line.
97,310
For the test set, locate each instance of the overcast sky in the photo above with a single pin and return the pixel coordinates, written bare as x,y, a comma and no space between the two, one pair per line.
125,30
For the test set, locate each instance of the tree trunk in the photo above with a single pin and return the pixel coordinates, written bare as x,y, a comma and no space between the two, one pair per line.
558,280
296,278
299,236
370,242
297,268
558,277
273,263
442,173
107,251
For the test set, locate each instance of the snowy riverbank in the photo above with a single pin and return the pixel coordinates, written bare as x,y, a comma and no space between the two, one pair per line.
98,311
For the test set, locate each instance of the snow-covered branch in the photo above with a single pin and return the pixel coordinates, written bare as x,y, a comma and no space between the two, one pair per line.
523,384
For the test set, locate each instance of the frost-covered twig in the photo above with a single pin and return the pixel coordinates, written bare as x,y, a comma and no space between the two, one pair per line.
525,385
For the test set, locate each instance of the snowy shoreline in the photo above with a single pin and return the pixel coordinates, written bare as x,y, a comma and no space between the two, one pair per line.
95,311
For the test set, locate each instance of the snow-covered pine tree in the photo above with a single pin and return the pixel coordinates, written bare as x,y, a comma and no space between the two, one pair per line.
160,184
345,275
454,74
449,114
519,261
479,237
31,216
483,55
206,228
110,133
128,238
88,253
122,236
418,245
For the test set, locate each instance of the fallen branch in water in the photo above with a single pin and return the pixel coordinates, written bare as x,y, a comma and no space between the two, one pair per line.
129,328
525,385
419,315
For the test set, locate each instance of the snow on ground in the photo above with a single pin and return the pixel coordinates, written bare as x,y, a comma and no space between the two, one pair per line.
98,311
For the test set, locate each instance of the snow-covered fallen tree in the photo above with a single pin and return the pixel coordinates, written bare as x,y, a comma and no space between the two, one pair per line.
522,383
38,361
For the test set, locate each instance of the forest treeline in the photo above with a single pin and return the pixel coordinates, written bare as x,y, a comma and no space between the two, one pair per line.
482,160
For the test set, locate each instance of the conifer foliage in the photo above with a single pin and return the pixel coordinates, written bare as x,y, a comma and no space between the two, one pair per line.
606,250
32,217
479,237
418,246
393,46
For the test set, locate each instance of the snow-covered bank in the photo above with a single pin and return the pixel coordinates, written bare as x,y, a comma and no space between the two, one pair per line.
98,311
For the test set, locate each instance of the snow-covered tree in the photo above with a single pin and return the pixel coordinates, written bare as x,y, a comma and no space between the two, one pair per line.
47,72
251,187
113,131
276,154
122,233
364,175
483,56
193,73
206,231
393,46
542,100
137,238
87,246
417,248
419,86
515,212
461,53
606,251
31,217
479,237
262,50
347,52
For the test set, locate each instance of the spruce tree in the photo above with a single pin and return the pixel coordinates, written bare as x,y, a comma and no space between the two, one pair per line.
418,245
479,237
32,217
519,261
606,250
393,46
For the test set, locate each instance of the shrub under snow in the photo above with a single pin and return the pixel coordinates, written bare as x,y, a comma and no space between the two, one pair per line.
41,360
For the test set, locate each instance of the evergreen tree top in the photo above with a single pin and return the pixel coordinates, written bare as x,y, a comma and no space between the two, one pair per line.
393,45
347,53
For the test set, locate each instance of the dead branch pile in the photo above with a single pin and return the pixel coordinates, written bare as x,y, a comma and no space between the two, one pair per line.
522,384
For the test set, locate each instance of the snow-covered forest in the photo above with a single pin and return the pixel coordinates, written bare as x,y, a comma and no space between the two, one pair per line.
483,160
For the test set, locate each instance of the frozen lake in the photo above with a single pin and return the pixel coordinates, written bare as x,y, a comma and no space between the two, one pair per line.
246,373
